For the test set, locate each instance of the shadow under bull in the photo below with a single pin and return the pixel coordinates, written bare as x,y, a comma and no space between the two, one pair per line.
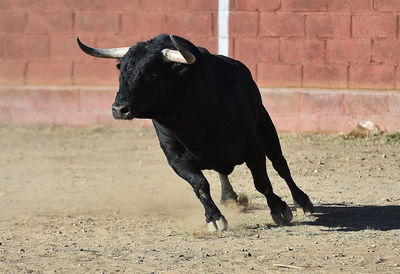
356,218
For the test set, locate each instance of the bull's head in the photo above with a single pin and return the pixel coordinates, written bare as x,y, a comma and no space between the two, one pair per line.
147,73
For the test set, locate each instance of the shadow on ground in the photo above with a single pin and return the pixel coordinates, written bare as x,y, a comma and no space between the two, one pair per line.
356,218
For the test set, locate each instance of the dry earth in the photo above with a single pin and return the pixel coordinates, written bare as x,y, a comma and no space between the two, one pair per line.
93,200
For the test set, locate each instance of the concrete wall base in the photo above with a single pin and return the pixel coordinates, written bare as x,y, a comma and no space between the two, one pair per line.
292,110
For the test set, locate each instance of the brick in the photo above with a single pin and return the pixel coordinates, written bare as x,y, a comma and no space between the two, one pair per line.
308,123
96,72
54,99
71,5
278,75
214,20
210,5
50,22
182,24
295,51
26,47
165,5
327,76
97,22
243,23
5,116
64,47
143,23
96,100
12,73
328,25
304,5
12,22
321,102
394,105
336,123
348,51
76,118
115,41
275,24
210,43
380,25
387,5
397,78
281,102
46,73
371,76
31,116
286,123
105,5
257,50
350,5
365,103
389,123
29,5
261,5
386,51
15,98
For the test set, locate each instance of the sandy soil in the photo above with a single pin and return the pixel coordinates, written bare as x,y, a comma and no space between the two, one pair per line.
95,200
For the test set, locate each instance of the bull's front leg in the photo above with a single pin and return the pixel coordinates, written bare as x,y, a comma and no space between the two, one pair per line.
215,220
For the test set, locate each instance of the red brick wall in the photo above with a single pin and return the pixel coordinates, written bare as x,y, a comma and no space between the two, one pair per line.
286,43
339,44
37,37
318,43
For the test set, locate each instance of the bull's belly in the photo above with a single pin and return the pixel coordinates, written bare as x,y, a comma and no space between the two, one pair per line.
221,161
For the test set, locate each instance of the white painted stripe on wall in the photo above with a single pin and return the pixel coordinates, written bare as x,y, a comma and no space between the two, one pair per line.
223,27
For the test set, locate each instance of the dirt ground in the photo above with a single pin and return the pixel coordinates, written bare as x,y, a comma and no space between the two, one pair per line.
93,200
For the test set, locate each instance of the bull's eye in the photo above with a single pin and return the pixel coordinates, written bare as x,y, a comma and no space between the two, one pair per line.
151,76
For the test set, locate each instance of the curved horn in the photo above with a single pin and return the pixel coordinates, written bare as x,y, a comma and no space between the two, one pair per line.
181,55
103,53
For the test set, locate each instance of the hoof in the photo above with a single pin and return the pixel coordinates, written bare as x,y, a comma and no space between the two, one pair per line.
284,217
239,204
219,225
242,200
305,204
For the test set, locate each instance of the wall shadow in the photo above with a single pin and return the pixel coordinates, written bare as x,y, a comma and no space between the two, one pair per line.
356,218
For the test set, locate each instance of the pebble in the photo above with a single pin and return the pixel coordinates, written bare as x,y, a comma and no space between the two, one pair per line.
379,260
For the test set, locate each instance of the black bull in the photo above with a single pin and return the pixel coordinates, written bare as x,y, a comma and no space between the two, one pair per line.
208,114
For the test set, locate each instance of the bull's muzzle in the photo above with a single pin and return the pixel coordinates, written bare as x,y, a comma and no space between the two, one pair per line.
122,112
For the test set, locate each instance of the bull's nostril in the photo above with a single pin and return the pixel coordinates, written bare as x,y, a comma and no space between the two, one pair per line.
124,110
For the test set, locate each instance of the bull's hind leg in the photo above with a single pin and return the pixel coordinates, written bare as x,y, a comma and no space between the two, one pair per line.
269,138
227,193
229,196
280,212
